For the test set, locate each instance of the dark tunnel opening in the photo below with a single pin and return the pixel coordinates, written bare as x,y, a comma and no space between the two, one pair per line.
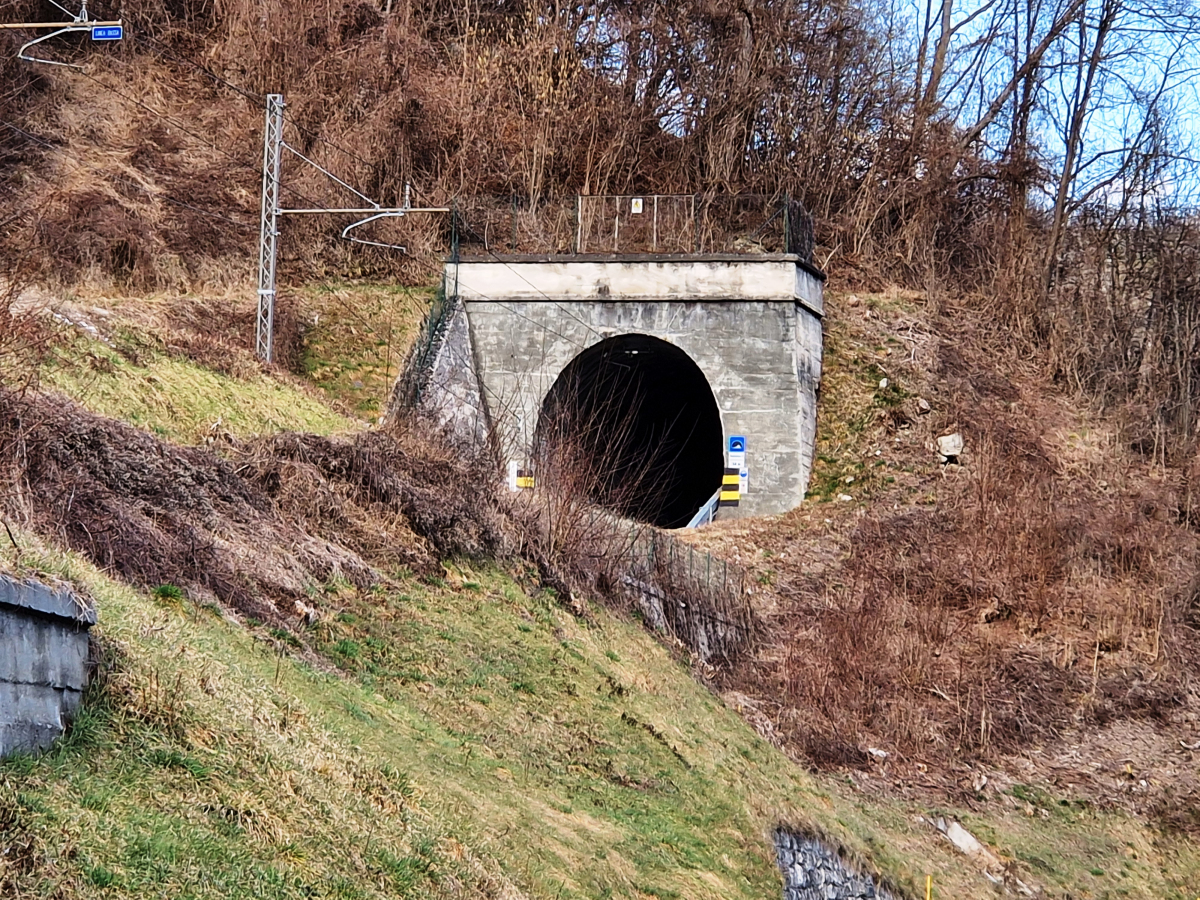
633,423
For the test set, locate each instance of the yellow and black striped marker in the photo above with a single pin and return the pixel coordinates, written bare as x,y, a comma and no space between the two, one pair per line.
730,488
524,479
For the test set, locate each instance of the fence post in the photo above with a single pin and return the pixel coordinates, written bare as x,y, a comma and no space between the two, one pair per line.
787,223
512,245
578,223
654,238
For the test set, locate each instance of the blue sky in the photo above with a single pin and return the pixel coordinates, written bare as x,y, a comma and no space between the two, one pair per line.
1151,61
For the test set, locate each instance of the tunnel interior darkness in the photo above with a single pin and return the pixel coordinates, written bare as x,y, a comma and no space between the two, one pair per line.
633,422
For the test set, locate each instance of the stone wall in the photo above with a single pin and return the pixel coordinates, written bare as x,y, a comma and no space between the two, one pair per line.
451,395
43,662
692,596
814,871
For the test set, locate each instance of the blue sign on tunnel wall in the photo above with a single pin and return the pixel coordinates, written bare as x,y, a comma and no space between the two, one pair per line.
736,460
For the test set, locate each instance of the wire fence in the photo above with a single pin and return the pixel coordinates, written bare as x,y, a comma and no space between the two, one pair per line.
746,224
696,597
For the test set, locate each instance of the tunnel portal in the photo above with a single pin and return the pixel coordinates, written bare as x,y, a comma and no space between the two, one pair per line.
634,419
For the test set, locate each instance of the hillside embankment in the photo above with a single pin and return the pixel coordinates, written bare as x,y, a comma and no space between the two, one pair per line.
335,663
1025,610
330,665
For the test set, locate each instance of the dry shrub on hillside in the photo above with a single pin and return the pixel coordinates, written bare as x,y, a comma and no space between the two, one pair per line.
260,532
1051,588
374,492
153,513
263,525
1123,325
26,334
460,100
25,88
993,623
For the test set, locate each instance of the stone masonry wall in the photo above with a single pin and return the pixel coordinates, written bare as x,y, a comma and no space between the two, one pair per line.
43,662
814,871
452,396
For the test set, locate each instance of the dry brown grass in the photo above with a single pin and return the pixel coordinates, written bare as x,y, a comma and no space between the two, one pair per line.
261,530
267,526
978,627
461,101
1039,596
215,330
26,335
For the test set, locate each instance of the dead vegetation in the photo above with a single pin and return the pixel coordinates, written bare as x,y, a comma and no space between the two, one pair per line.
1044,590
141,171
267,526
236,528
693,598
1030,609
26,334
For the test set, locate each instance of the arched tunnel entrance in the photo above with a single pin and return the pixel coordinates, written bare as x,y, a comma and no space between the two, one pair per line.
632,422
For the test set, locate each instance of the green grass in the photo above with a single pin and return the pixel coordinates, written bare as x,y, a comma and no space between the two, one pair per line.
178,399
466,739
431,740
357,337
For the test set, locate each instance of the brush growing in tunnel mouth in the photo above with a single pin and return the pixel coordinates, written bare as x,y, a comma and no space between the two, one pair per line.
639,415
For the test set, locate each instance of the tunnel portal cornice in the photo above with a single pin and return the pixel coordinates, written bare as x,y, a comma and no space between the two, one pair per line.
639,277
663,258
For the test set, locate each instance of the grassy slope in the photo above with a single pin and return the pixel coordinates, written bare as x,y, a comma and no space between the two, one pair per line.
1052,836
357,340
485,737
180,400
483,730
476,736
148,361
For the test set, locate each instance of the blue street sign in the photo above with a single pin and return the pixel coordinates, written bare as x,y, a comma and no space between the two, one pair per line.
108,33
737,443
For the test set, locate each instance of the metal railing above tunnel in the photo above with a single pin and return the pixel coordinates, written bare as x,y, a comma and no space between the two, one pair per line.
607,224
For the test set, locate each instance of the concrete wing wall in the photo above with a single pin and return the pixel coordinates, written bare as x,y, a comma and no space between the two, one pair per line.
43,663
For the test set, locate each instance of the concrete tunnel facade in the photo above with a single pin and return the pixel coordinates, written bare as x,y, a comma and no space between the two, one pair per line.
749,325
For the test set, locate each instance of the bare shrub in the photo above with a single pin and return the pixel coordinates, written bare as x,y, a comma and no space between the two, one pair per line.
26,333
154,513
382,485
582,537
1009,615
